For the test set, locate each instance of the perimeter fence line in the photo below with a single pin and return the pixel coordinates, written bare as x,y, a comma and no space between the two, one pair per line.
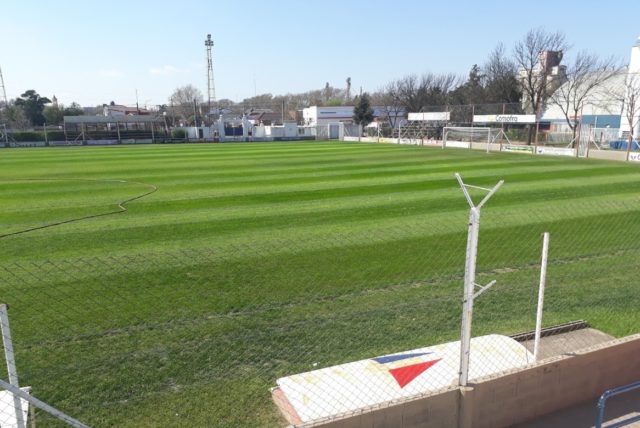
106,338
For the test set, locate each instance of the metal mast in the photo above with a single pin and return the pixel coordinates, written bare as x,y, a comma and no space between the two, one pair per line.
4,92
211,89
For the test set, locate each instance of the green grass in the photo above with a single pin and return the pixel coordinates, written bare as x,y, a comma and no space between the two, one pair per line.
255,261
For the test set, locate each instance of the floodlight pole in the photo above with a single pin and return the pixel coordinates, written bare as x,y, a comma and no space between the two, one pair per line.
470,275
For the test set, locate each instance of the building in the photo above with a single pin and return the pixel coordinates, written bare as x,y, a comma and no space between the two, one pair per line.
317,115
602,108
606,106
264,117
548,68
120,110
632,84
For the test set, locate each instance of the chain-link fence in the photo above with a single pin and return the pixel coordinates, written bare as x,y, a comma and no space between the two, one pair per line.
200,337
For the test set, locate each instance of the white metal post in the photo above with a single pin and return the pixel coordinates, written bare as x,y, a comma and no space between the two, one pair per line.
470,275
467,303
11,362
543,280
17,392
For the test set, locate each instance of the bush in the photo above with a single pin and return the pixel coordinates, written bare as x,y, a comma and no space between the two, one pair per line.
178,133
26,136
55,136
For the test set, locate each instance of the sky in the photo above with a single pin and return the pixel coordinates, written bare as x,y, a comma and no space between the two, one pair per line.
93,52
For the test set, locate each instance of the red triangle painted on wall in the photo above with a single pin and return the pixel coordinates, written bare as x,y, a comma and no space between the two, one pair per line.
404,375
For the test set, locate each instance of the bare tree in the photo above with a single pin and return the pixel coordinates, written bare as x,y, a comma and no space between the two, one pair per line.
388,98
585,75
532,56
415,93
501,77
184,101
631,110
13,116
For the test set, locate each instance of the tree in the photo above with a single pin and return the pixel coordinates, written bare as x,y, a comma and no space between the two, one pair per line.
14,116
389,99
184,101
472,91
585,75
348,90
33,105
362,111
427,90
501,78
53,115
631,108
532,55
74,110
327,92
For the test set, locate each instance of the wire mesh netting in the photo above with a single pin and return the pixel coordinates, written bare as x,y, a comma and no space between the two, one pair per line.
200,336
96,334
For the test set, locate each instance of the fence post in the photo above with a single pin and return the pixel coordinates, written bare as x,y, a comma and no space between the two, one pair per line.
543,280
17,392
470,275
467,303
11,362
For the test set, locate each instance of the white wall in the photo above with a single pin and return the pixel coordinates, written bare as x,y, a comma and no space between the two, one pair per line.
633,79
290,129
324,115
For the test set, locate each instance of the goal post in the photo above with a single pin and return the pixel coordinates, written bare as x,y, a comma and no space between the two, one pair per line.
464,136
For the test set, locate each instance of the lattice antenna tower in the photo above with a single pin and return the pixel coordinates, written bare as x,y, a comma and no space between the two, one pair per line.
211,88
4,92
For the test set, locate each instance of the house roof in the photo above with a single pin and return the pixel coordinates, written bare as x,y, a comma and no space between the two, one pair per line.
112,119
128,110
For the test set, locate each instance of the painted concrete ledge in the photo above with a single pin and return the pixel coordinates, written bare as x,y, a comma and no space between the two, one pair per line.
511,397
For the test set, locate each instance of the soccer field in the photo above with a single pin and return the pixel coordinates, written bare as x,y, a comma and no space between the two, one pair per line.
241,263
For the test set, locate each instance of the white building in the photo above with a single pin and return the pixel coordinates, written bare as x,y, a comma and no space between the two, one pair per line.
605,107
602,108
316,115
632,83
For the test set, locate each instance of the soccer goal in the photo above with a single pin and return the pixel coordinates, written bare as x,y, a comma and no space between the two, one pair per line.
463,137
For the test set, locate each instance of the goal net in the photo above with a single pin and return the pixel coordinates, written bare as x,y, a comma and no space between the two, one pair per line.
416,132
462,137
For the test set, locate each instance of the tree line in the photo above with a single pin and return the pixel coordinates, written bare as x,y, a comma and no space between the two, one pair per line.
31,109
517,76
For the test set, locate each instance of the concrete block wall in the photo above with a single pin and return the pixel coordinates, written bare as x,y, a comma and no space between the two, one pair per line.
433,411
617,155
555,384
614,155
